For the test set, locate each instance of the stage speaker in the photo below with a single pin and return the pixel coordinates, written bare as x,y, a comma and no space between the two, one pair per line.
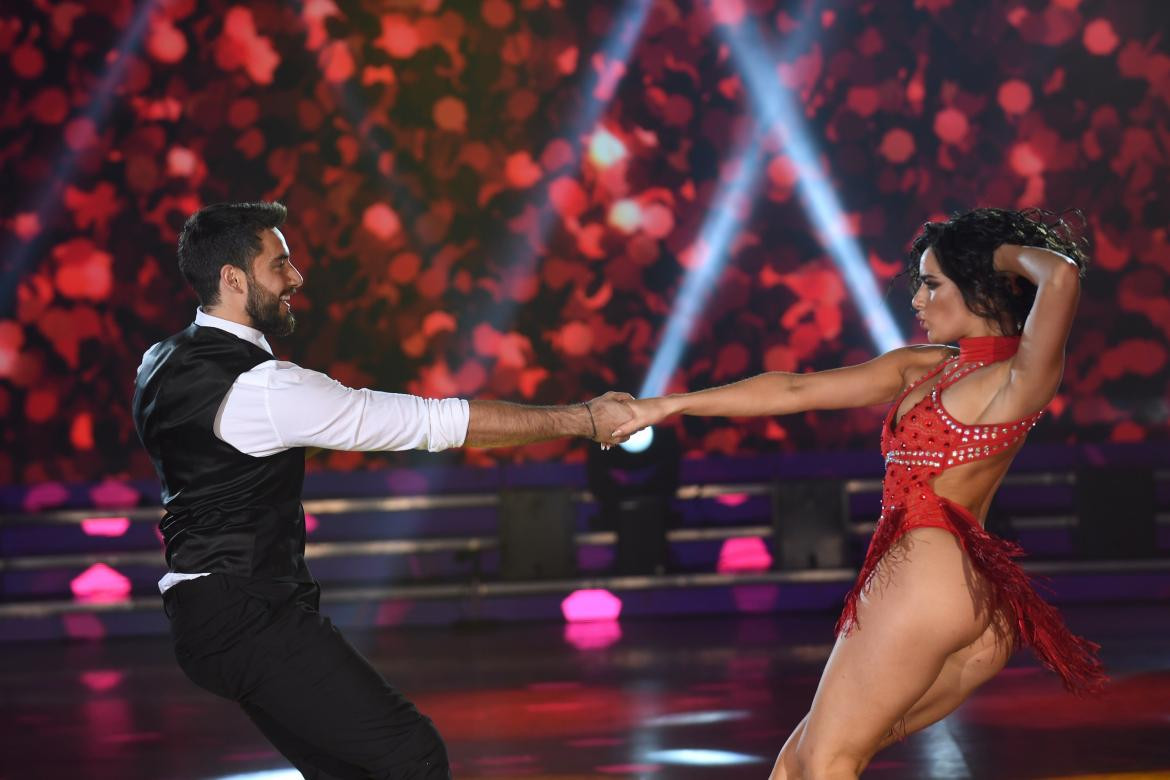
536,531
641,535
1115,513
809,524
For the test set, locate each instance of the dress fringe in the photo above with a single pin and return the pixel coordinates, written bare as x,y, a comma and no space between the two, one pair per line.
1038,624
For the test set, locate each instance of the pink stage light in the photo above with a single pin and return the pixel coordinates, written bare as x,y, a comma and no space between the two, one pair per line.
732,499
45,495
100,583
105,526
584,606
311,523
606,149
113,495
745,554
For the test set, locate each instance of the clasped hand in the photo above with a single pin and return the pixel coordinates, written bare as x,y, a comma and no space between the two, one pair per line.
619,416
610,411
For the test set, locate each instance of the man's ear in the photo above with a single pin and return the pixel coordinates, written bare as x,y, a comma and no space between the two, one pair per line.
232,276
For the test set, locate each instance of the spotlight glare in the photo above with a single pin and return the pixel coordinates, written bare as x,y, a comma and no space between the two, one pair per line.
640,441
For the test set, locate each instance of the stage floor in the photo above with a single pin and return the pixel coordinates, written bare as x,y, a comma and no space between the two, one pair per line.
681,698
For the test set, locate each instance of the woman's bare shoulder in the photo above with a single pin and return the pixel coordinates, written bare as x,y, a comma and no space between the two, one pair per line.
917,360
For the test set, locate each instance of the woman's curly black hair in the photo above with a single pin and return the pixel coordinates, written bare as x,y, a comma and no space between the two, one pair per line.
965,245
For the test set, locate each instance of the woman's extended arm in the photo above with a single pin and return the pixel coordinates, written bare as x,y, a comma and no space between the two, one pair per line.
874,382
1039,364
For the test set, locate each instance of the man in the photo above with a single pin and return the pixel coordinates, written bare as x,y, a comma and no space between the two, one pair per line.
227,426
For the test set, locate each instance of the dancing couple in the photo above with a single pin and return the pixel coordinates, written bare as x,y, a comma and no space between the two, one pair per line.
938,607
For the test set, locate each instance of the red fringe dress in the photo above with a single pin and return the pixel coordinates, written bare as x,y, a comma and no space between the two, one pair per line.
925,442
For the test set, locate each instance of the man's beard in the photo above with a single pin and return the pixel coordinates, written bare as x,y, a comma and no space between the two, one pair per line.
265,311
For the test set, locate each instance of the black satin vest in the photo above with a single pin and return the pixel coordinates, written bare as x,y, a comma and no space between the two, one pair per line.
227,512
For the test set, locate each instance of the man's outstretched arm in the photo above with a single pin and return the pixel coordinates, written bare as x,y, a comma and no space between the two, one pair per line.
503,424
280,405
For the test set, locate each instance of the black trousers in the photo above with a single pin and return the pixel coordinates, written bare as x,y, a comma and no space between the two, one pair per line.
266,646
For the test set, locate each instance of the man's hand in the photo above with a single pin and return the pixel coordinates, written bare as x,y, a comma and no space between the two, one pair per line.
610,411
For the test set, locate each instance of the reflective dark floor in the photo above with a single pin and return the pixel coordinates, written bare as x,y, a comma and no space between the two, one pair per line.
684,698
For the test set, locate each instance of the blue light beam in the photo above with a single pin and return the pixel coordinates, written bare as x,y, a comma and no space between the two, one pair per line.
778,110
714,245
617,47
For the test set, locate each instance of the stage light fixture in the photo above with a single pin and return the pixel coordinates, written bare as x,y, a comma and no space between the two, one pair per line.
635,492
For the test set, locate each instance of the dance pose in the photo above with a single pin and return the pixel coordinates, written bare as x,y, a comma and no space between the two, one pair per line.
227,427
940,603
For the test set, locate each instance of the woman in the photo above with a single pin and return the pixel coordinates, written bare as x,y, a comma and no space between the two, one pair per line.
939,604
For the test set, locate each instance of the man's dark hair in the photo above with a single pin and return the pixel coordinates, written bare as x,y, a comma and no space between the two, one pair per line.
965,245
223,233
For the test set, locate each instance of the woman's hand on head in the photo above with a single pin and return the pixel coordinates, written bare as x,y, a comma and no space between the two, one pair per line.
1007,258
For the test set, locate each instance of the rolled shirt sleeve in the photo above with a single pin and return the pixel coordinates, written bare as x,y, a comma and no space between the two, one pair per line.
279,405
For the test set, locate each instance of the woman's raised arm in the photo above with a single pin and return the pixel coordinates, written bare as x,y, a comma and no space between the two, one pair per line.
1038,366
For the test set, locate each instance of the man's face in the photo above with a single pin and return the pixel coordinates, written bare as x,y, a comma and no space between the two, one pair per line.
271,283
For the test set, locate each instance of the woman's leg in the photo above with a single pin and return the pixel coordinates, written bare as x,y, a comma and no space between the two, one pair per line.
925,605
785,767
963,672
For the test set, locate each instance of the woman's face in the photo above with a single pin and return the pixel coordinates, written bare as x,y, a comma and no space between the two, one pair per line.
940,307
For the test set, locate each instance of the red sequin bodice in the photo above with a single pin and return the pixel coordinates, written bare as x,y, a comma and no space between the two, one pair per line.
927,440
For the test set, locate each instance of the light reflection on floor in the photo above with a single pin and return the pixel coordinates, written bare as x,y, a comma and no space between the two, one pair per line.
702,757
669,700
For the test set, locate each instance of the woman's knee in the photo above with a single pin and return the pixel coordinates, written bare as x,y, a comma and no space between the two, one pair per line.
818,761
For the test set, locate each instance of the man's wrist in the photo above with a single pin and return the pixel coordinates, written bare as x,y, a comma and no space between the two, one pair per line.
591,430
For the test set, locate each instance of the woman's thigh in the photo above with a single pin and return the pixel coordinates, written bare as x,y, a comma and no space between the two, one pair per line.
924,604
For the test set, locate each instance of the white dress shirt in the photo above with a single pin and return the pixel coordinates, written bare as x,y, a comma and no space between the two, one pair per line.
279,405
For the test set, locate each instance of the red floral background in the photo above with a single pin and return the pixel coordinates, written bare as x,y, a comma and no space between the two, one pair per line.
460,234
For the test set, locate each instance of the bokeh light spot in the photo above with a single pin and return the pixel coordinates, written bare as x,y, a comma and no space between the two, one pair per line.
450,113
1099,37
897,145
606,149
381,221
625,215
950,125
